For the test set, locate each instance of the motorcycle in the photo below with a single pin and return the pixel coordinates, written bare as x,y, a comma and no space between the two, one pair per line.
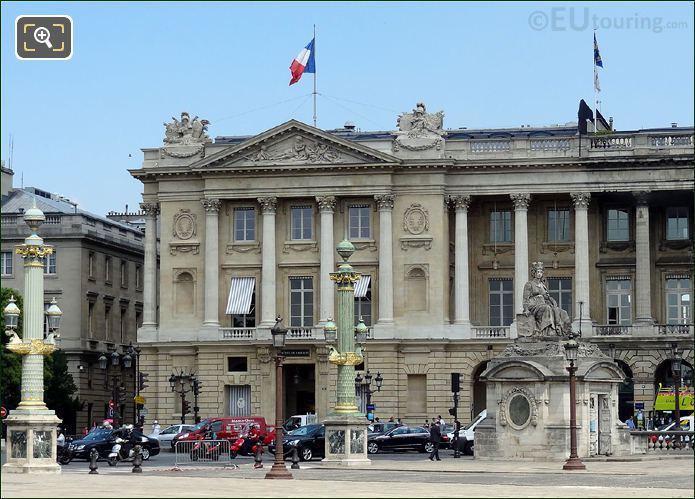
120,452
248,443
206,450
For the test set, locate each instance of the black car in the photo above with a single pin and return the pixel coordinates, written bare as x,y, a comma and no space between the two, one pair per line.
102,440
400,438
381,428
309,441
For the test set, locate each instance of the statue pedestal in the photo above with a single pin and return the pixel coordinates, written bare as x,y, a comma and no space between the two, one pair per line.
346,440
31,442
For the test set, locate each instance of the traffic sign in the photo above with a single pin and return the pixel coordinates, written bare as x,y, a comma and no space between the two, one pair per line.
3,412
143,411
139,399
112,404
371,407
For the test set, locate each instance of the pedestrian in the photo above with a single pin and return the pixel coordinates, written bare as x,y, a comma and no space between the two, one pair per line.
427,423
376,420
85,431
60,440
391,419
399,421
439,419
630,423
155,428
435,438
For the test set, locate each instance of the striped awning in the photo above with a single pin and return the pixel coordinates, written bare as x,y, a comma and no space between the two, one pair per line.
240,294
362,286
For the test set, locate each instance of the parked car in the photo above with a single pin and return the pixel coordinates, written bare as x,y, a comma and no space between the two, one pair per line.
309,440
447,430
166,436
400,438
467,434
226,428
103,439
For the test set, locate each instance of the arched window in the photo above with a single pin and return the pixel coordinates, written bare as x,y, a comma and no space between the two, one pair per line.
626,392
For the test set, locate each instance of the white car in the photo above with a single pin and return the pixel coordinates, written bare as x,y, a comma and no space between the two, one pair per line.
167,434
467,434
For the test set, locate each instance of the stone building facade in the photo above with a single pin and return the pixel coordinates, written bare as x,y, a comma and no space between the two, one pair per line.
446,223
96,276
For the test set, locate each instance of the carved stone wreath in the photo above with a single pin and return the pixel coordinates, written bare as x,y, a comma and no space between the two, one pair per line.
185,225
416,219
504,407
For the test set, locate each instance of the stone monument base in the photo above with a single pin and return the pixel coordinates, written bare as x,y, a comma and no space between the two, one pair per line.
346,440
31,442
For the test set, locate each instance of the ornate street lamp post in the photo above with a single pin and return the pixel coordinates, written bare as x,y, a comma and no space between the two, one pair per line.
573,463
346,428
366,383
180,380
32,426
279,470
117,380
676,361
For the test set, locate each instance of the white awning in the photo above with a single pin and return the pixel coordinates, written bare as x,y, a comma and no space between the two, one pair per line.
362,286
240,294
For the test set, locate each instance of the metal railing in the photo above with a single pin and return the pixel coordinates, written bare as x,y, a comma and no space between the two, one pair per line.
664,441
491,331
612,330
202,452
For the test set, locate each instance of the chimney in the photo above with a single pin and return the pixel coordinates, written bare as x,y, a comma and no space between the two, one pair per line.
674,125
349,125
610,122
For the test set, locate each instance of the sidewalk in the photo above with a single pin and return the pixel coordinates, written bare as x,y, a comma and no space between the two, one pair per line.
386,479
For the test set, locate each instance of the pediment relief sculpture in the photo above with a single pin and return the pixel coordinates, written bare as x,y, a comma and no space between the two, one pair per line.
297,150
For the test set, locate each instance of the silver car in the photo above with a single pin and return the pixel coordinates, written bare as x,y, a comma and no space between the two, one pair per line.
166,436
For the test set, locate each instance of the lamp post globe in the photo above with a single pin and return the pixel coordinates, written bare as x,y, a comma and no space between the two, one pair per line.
330,331
279,333
11,312
115,358
102,361
53,316
378,380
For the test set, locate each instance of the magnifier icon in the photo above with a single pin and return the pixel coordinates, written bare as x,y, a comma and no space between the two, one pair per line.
42,35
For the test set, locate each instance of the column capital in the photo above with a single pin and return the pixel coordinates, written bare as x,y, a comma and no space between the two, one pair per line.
150,209
268,204
521,200
212,206
459,201
326,203
642,197
581,199
384,201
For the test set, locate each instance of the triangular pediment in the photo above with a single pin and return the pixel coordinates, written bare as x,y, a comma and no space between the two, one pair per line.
294,144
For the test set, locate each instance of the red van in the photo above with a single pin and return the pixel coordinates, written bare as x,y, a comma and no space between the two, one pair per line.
225,428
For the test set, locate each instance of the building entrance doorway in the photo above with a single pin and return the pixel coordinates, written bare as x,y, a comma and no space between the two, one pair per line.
300,389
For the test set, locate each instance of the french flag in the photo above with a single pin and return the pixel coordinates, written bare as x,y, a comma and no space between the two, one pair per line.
303,63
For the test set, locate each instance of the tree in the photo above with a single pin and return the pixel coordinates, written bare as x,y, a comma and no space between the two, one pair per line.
10,363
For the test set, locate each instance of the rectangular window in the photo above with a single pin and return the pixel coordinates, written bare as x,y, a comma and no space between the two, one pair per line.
107,269
122,325
237,364
619,302
417,393
249,319
7,263
50,267
560,290
301,302
302,223
501,226
501,302
124,274
90,264
618,225
358,222
244,224
678,301
138,318
90,319
363,300
677,226
138,277
559,224
107,322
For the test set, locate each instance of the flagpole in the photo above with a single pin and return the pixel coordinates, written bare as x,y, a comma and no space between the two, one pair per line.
314,56
595,90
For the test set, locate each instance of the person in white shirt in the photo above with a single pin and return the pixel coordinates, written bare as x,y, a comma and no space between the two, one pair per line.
155,427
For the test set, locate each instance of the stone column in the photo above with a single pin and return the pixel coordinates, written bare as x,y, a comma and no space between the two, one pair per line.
581,261
149,309
326,207
643,304
384,204
461,282
268,269
521,274
212,262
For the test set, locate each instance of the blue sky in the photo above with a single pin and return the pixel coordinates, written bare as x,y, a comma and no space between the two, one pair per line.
76,122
